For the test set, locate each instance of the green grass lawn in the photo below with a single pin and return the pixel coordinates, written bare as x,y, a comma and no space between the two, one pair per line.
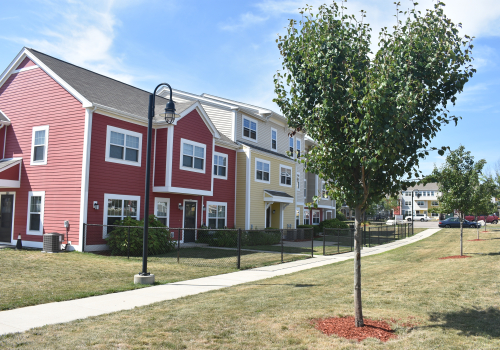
454,304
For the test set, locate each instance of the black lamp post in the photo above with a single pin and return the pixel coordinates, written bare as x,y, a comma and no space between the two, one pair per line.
169,116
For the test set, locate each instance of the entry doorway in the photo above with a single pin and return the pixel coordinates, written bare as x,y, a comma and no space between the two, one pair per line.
189,221
268,217
6,216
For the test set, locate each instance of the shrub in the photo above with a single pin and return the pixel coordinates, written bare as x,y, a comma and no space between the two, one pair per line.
253,238
159,241
341,216
333,223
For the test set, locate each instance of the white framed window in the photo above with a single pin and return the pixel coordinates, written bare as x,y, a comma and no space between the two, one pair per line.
290,141
435,203
298,148
39,145
297,217
36,204
298,182
123,146
420,203
118,207
274,139
324,192
217,215
305,188
315,217
434,214
220,165
408,203
285,176
162,210
249,129
262,170
432,193
193,156
307,220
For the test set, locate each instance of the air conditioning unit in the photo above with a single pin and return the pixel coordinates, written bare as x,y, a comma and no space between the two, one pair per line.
52,242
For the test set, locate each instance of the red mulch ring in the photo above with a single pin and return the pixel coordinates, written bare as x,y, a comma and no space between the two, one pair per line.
477,239
455,257
344,327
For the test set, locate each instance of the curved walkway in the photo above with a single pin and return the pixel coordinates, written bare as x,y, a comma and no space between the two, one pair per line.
23,319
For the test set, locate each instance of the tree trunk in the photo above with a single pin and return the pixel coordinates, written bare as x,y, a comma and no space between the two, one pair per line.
358,310
477,226
461,236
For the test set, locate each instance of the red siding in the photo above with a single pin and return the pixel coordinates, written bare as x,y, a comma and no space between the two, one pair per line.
10,174
30,99
161,156
26,63
193,128
2,138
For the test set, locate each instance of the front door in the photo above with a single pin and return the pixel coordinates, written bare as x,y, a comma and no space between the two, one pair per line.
189,221
6,209
268,217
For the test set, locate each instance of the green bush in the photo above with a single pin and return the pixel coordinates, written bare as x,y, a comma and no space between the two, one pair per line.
159,241
341,216
253,238
333,223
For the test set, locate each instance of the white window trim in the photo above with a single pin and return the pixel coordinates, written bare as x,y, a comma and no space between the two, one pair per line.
306,213
323,183
256,129
35,194
108,196
434,205
298,146
197,144
293,155
126,132
297,176
159,199
276,131
217,203
39,128
291,176
227,165
255,170
305,188
312,217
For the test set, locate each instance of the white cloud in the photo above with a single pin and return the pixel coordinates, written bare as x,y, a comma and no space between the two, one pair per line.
245,20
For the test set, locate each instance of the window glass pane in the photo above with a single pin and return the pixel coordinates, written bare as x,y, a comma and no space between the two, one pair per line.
222,171
274,144
291,142
221,223
36,204
273,135
212,211
266,176
113,221
116,152
114,207
132,141
163,221
187,161
130,208
246,123
246,132
212,223
161,209
253,135
198,163
221,212
259,175
199,152
253,126
222,161
131,154
260,166
34,222
266,167
39,137
215,169
39,153
117,138
188,149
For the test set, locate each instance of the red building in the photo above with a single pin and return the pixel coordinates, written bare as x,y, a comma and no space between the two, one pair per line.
74,149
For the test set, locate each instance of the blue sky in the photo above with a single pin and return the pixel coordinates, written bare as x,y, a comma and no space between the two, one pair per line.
228,48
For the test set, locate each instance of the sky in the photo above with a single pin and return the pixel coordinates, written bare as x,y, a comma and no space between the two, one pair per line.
228,48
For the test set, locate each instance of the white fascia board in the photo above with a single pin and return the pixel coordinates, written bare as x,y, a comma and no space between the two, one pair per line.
19,160
181,190
259,109
326,207
225,144
11,67
197,105
277,199
115,113
196,97
291,161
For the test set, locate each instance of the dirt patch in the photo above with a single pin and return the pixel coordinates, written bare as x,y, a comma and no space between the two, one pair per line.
455,257
344,327
477,239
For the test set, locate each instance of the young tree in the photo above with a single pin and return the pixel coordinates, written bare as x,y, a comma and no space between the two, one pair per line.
458,181
372,119
481,199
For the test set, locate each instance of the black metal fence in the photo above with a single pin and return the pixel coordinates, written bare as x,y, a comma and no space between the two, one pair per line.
231,248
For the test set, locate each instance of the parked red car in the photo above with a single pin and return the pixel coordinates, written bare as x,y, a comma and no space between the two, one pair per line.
491,219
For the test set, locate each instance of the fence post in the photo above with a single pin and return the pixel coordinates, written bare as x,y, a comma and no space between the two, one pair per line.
128,244
324,240
312,243
281,238
178,245
369,237
338,241
378,239
239,249
394,232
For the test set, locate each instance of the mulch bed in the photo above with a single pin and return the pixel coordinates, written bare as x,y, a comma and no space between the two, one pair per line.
477,239
344,327
455,257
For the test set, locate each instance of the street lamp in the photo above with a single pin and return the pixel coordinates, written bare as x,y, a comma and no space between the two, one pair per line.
145,277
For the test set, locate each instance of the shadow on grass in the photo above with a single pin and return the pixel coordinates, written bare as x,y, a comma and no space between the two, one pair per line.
470,322
496,253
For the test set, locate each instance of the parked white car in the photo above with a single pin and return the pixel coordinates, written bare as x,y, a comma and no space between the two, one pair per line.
394,222
417,217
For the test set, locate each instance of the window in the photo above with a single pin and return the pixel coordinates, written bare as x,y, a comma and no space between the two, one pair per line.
297,217
192,156
262,170
220,165
285,176
324,192
424,193
305,188
435,203
315,217
118,207
306,217
408,203
249,129
162,210
36,202
216,215
420,203
434,214
291,146
274,139
39,145
298,148
432,193
123,146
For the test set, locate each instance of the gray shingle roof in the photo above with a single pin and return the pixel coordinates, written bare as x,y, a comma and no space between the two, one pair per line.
265,150
278,193
3,117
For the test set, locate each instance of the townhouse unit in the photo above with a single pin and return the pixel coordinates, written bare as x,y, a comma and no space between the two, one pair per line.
425,197
73,148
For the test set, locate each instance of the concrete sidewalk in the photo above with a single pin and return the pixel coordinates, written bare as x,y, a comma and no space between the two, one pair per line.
23,319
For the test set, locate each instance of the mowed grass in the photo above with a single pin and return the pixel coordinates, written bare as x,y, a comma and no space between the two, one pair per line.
452,304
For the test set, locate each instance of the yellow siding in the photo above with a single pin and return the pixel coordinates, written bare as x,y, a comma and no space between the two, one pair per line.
241,189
